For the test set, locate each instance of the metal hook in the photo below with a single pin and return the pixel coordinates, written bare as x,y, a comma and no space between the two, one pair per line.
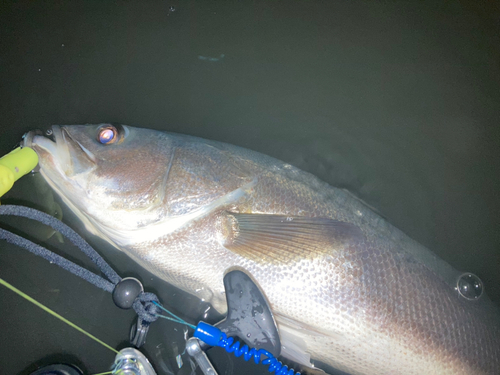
138,333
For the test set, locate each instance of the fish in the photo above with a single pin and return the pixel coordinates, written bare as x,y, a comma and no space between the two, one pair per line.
346,287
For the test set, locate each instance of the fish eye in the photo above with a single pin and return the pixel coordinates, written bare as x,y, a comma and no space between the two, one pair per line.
107,135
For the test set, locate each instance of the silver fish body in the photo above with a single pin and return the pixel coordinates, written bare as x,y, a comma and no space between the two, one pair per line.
345,285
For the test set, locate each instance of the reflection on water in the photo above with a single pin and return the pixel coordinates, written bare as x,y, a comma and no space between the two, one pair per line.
394,102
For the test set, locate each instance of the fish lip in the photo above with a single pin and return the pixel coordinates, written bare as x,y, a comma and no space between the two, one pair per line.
41,141
57,142
27,141
27,138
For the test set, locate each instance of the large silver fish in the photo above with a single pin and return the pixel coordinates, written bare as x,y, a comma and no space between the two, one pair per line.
346,286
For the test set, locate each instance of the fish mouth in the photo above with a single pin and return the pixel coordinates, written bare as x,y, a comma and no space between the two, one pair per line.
56,147
40,140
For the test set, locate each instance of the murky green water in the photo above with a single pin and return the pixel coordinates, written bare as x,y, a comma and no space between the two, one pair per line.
397,102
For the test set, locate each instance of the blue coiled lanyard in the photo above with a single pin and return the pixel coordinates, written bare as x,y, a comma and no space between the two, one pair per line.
215,337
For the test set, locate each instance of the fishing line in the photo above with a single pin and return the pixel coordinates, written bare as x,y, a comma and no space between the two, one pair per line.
126,293
175,317
53,313
146,305
133,362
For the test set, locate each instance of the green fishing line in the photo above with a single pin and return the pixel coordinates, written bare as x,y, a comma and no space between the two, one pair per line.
43,307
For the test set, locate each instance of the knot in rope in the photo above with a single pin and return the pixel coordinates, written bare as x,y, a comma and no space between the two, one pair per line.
145,308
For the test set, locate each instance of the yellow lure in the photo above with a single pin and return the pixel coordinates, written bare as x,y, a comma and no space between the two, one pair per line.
15,165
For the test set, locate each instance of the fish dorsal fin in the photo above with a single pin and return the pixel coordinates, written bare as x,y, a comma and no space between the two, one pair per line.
285,239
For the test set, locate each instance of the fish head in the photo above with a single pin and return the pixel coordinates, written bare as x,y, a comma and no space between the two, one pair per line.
105,171
125,182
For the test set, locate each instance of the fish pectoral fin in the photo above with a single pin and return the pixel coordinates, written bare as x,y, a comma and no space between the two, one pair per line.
285,239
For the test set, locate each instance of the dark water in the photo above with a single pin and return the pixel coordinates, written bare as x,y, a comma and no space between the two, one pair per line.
396,101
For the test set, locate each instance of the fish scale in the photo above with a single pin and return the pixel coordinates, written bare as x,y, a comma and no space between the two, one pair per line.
345,285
